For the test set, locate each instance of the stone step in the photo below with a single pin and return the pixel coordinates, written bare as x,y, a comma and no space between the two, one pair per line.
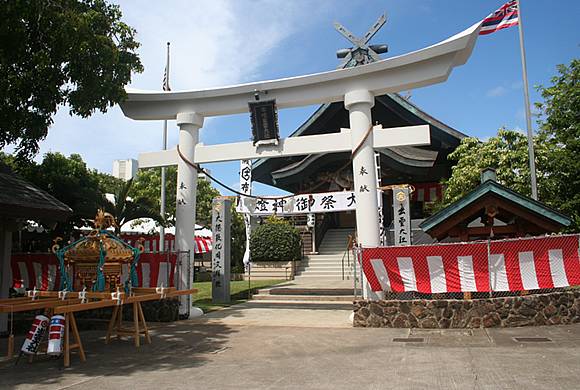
306,291
329,262
304,298
303,304
315,262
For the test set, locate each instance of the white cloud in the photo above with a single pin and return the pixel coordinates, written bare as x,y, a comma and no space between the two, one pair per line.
517,85
498,91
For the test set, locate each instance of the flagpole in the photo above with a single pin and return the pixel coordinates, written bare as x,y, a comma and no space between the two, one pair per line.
162,229
528,111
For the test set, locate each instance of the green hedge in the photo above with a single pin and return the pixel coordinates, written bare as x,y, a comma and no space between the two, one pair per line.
275,242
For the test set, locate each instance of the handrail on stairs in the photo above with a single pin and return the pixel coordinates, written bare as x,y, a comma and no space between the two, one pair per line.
351,242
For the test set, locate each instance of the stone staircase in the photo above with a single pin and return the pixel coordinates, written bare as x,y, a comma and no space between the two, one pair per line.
328,263
318,279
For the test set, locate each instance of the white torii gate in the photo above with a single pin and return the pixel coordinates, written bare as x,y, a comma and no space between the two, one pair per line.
356,86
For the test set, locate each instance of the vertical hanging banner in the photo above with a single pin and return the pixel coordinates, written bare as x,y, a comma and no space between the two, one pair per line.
246,189
382,231
402,216
220,264
246,177
264,117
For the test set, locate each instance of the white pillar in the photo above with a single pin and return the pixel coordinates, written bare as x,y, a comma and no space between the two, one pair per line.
359,104
189,125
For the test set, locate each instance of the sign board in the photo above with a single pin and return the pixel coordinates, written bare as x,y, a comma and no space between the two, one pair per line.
246,177
402,216
264,117
220,263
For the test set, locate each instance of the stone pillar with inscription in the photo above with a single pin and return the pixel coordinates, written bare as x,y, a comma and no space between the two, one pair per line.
220,264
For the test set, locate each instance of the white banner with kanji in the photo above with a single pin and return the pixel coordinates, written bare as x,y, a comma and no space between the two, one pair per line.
298,204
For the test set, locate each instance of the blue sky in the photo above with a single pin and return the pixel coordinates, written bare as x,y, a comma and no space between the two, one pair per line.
226,42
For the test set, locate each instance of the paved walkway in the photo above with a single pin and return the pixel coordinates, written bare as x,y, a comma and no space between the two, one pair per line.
267,347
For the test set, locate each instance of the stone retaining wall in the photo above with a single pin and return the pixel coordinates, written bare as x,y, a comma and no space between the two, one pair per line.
542,309
158,310
273,270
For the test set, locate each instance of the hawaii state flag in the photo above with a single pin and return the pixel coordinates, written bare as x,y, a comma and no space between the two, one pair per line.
504,17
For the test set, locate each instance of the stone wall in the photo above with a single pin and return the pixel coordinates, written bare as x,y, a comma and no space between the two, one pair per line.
273,270
541,309
158,310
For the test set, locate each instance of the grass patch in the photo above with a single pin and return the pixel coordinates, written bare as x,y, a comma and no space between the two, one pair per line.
238,293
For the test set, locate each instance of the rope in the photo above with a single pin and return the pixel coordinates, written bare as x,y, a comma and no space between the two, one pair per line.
307,192
390,187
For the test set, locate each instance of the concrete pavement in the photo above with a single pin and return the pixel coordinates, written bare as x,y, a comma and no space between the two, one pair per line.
250,346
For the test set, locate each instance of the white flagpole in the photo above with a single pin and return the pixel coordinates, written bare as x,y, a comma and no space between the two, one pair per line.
528,111
162,229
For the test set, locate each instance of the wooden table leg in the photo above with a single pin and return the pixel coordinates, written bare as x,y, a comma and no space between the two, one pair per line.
111,324
11,347
66,346
78,344
119,322
136,322
142,317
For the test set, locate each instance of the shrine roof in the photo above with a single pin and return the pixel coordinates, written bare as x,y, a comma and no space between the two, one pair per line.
509,201
20,199
390,110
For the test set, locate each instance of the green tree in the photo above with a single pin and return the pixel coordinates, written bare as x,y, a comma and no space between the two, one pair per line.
238,237
55,53
68,180
204,201
275,242
560,132
148,183
507,153
107,183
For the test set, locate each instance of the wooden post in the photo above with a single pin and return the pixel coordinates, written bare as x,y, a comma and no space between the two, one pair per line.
137,316
71,324
11,347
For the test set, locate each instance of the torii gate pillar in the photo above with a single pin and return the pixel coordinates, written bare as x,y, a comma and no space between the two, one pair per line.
189,125
359,104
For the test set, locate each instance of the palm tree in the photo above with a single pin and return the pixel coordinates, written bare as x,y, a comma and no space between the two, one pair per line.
124,209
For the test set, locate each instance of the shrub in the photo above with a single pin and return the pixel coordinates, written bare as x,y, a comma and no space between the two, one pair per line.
275,242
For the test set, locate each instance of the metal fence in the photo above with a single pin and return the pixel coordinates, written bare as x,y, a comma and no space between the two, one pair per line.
478,269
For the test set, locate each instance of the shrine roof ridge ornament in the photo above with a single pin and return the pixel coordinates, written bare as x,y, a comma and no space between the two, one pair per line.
420,68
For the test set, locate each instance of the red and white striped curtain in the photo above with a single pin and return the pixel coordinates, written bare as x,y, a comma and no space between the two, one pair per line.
427,192
202,245
512,265
151,243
